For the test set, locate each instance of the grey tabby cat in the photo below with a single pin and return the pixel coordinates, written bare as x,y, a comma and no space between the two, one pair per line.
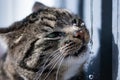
49,44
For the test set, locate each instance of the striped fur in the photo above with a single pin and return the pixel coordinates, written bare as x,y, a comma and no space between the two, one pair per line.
43,46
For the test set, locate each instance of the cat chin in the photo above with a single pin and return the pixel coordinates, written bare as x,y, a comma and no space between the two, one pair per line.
75,64
79,59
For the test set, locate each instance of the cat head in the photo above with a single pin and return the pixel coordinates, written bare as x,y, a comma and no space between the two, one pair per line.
47,33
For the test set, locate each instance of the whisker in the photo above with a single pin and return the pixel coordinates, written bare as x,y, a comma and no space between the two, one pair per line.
51,62
59,69
71,46
56,57
59,65
39,73
60,58
55,53
53,67
74,47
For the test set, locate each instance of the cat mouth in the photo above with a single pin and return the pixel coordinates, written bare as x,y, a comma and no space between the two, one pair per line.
80,51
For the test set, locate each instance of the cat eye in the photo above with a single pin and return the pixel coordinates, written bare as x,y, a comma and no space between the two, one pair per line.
78,22
55,34
74,22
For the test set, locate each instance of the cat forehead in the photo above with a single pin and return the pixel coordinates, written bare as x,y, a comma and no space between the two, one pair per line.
48,13
58,10
53,17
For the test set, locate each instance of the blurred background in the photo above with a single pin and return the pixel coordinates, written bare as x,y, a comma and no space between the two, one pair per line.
101,18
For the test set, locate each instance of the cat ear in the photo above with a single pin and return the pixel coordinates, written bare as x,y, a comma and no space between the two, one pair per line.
11,28
6,33
3,36
37,6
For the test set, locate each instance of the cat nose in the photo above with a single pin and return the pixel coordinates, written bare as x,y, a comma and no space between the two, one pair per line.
79,34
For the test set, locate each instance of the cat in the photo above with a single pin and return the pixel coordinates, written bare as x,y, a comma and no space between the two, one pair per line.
49,44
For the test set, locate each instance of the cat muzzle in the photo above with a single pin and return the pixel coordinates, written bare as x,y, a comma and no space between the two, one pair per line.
79,34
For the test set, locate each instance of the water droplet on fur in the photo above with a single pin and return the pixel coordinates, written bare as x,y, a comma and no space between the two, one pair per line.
91,77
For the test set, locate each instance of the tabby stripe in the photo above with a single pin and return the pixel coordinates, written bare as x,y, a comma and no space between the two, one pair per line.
46,24
27,55
44,30
17,77
49,18
47,48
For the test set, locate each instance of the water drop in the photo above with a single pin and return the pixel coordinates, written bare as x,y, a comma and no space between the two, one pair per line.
91,77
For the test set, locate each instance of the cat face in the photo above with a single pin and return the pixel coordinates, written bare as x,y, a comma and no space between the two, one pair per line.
46,37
